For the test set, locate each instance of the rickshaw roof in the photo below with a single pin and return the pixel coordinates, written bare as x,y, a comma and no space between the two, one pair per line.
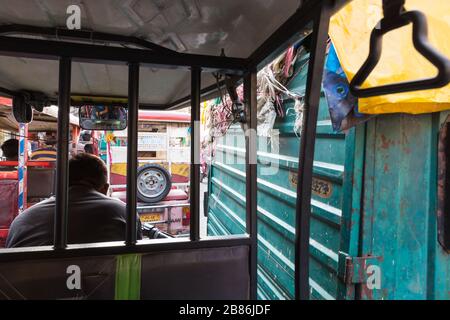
186,26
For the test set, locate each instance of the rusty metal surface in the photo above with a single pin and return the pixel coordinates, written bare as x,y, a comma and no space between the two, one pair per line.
400,203
443,193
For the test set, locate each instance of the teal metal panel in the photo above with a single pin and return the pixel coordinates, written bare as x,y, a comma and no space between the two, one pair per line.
399,220
374,203
351,206
277,198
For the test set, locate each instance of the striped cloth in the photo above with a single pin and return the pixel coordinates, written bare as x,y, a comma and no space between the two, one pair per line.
44,154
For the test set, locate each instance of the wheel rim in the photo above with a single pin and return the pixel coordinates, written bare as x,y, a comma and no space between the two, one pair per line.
151,183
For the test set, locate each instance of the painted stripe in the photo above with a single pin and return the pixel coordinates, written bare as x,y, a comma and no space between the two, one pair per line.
261,210
216,223
319,164
227,188
327,207
324,123
261,295
312,242
229,211
225,147
275,251
268,282
231,169
289,193
320,290
328,252
277,156
293,195
277,220
330,166
276,187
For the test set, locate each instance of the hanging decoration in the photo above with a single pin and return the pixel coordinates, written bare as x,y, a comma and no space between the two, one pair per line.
343,106
272,92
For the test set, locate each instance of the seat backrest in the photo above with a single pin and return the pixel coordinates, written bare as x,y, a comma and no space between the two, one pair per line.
209,273
200,274
41,182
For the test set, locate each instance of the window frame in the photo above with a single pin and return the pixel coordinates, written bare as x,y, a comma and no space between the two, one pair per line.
316,12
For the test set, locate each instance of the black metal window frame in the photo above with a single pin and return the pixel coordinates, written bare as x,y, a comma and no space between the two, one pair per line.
316,12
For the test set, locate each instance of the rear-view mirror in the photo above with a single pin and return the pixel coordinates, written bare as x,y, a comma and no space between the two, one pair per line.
103,117
22,111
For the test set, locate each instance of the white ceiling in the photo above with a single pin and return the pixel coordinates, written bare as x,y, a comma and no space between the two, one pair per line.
191,26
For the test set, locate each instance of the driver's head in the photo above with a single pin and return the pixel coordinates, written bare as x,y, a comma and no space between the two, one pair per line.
88,170
10,149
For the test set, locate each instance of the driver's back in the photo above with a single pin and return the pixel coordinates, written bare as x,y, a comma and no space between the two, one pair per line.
92,217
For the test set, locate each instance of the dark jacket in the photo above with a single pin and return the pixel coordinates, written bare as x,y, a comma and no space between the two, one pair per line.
92,217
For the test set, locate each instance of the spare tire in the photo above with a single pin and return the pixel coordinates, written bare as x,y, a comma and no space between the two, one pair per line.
153,183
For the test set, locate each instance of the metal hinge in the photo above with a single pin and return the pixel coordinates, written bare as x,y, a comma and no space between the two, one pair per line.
354,270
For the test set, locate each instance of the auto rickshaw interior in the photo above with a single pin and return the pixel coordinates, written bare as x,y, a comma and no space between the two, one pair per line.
58,64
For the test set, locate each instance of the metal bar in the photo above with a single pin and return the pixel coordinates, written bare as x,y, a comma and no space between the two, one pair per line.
163,206
207,93
289,32
22,169
45,49
117,248
89,36
250,86
160,222
8,93
62,165
306,155
195,154
132,150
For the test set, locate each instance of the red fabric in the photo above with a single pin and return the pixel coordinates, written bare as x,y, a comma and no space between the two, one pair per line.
6,101
30,163
3,236
8,175
8,202
288,61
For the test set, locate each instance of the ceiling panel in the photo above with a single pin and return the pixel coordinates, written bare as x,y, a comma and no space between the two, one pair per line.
192,26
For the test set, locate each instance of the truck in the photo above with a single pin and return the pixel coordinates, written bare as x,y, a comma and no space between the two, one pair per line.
163,172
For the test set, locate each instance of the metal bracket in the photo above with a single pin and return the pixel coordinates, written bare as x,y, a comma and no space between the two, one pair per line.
393,8
353,270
